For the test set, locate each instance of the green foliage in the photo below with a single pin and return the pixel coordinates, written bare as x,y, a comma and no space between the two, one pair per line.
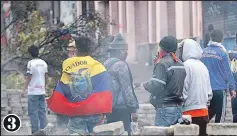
14,80
35,30
33,33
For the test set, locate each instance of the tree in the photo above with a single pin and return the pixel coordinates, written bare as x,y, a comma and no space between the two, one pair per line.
28,27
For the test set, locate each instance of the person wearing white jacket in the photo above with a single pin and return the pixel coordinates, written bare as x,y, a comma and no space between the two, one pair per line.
197,88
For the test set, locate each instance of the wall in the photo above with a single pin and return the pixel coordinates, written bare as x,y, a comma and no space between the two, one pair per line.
222,14
14,101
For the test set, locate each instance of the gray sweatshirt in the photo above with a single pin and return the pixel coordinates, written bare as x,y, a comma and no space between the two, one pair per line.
197,88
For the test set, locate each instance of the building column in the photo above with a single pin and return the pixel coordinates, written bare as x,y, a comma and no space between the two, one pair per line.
141,22
131,39
183,12
194,16
122,16
199,19
152,21
79,8
186,19
113,13
99,7
179,19
158,21
161,20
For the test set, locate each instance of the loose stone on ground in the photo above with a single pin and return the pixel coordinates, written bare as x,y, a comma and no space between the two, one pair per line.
115,128
222,129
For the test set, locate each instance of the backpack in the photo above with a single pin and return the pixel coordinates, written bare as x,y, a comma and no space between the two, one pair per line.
233,65
80,84
112,75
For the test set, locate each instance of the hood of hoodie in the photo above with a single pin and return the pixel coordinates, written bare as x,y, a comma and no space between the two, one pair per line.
191,49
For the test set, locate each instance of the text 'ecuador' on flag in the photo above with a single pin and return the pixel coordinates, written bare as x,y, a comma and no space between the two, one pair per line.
84,89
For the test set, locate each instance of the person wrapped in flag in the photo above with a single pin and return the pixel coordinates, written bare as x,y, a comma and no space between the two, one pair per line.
83,92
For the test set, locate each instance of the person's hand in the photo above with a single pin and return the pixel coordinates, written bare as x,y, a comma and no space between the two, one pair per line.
134,117
233,94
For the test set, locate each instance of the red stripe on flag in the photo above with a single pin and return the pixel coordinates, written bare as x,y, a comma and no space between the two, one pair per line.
97,103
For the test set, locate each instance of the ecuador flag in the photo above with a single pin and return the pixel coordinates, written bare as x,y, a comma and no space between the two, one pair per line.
84,89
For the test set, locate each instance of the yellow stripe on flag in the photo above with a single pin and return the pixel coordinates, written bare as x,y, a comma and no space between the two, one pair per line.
76,63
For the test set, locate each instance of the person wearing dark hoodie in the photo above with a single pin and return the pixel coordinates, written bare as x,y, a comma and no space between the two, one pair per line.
197,87
215,58
166,85
233,55
207,35
125,102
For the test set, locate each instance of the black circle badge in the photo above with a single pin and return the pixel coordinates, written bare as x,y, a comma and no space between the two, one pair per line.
11,123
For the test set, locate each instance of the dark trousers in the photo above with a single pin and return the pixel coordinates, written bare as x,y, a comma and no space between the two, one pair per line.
234,109
121,115
218,106
202,123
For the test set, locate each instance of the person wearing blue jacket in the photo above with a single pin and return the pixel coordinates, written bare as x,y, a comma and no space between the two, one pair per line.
216,59
233,55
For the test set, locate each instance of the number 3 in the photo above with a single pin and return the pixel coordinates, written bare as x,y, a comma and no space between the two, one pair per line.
13,123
